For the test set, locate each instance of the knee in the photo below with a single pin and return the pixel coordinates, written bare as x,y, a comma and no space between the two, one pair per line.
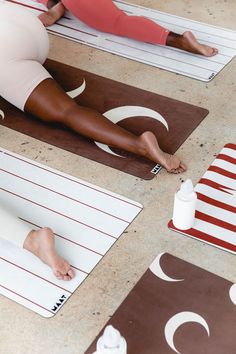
67,112
60,112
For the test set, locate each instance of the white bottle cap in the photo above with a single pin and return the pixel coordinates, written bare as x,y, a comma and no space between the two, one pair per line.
111,342
111,337
186,189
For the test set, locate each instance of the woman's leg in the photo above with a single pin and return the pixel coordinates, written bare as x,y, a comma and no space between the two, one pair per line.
105,16
40,242
50,103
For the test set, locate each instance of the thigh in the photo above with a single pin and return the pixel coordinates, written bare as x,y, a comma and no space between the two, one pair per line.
24,47
22,35
95,13
19,78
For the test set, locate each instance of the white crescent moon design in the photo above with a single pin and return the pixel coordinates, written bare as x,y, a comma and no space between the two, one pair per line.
232,293
177,320
76,92
156,269
2,114
119,113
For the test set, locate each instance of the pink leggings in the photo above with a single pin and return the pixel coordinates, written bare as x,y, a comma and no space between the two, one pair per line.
105,16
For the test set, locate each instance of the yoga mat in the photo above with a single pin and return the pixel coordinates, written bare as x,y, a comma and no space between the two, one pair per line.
171,59
86,219
215,217
134,109
177,307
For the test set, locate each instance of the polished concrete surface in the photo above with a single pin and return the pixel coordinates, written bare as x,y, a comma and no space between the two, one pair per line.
78,322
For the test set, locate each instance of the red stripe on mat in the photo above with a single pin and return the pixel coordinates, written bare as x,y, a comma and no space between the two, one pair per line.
227,158
216,203
216,185
230,146
223,172
210,219
204,237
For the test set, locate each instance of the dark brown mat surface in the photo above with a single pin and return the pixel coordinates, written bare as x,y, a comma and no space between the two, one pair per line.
199,302
104,94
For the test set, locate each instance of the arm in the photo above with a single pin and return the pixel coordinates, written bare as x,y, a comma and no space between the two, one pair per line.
55,12
51,3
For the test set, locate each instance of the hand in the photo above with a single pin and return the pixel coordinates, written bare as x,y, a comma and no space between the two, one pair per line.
51,16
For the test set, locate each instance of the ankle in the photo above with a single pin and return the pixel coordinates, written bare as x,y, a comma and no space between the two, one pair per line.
142,149
174,40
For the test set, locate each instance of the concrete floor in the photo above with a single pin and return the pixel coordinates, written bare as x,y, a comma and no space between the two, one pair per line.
75,326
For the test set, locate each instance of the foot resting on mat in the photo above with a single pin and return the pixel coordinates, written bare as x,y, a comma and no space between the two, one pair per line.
153,152
42,244
188,42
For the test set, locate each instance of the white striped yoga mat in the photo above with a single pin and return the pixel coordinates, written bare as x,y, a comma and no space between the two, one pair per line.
215,218
87,220
171,59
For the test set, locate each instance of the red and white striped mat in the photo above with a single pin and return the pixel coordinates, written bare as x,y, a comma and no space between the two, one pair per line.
215,218
86,219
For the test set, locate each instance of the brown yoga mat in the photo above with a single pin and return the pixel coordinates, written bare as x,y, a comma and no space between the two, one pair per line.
104,95
177,307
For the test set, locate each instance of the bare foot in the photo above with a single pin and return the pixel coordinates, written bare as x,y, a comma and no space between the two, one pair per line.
42,244
188,42
153,152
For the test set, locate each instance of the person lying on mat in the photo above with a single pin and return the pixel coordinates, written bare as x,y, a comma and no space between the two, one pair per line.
41,243
105,16
25,83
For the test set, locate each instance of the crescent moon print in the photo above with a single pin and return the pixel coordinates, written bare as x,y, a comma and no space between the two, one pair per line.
156,269
117,114
76,92
177,320
2,114
232,294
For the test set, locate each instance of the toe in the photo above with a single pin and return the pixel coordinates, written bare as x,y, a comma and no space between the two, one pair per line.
62,276
62,270
211,52
182,167
71,273
58,275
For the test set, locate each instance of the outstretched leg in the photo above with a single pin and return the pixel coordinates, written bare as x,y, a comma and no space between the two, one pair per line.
50,103
42,244
105,16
